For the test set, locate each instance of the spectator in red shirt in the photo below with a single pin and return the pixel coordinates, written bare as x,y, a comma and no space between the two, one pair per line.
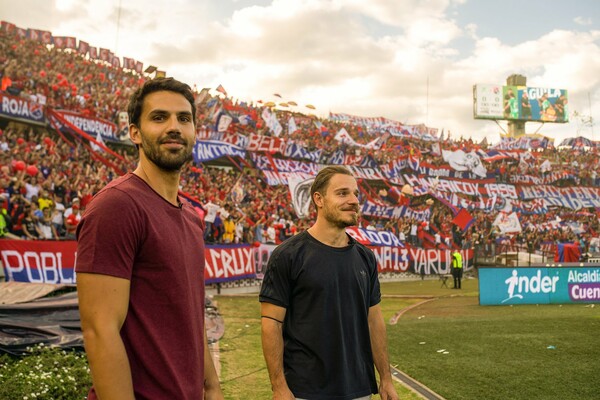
72,221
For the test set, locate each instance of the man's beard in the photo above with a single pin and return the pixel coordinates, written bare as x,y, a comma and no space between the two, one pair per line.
338,220
167,160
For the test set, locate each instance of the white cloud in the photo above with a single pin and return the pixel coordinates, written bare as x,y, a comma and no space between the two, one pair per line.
397,13
370,58
471,30
582,21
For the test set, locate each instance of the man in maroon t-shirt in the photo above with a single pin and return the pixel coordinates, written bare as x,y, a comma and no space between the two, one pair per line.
140,264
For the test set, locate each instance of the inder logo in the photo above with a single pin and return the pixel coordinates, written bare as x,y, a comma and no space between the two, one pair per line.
518,286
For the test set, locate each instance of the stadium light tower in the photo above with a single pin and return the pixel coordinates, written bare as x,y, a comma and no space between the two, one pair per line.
516,128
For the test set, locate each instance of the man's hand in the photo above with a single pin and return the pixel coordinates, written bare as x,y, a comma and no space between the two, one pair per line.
283,394
387,391
213,393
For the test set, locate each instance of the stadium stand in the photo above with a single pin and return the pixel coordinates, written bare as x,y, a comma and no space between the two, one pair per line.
428,190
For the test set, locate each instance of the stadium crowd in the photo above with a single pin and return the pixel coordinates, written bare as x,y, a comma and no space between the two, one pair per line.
46,182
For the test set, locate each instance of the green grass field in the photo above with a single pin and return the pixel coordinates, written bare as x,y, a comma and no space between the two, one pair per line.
243,370
502,352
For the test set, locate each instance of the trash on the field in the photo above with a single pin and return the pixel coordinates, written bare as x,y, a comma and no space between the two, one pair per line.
422,342
441,350
551,347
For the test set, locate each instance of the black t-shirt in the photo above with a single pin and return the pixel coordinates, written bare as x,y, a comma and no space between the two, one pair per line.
60,191
29,225
327,293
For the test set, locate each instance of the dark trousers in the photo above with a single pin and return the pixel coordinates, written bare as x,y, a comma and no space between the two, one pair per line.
457,275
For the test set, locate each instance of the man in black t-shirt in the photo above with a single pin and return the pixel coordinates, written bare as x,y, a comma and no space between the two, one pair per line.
322,327
560,106
525,106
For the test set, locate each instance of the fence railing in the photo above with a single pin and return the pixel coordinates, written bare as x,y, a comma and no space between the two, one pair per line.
507,254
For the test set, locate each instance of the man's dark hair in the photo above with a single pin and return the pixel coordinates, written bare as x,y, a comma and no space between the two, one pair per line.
136,101
323,177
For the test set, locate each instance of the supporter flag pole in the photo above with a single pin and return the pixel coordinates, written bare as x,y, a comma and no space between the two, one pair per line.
81,134
98,157
463,219
452,208
93,154
367,195
65,122
54,125
241,169
366,192
270,158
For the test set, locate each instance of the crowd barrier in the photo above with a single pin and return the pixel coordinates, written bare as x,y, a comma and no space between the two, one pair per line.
508,254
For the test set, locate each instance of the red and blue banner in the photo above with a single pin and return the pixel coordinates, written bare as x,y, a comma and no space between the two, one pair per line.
54,261
567,252
91,125
296,150
373,209
38,261
206,150
65,42
20,108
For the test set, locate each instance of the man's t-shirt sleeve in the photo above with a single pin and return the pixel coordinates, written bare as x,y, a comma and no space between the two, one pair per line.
276,285
108,235
374,278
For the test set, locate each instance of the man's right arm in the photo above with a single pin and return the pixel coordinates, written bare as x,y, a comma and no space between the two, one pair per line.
272,343
103,304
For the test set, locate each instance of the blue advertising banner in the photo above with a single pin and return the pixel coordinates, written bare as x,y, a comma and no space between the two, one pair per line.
20,108
544,285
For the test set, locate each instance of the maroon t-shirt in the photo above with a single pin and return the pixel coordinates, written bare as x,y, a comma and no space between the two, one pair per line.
131,232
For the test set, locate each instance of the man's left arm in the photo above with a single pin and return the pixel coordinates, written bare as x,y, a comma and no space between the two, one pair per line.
380,354
212,386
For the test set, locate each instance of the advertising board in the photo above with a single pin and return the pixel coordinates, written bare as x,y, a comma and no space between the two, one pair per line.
520,103
543,285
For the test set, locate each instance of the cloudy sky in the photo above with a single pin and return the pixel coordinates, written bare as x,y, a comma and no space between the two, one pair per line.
408,60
